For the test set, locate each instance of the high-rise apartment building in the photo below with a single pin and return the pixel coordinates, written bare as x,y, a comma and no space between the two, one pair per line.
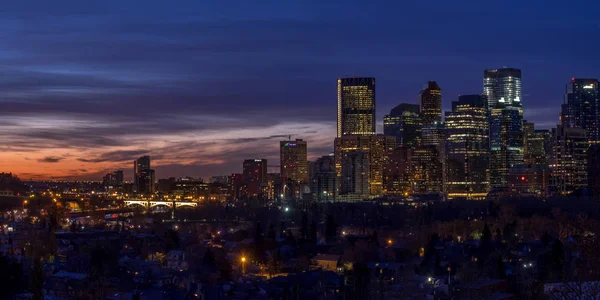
398,172
146,182
569,168
502,85
404,122
113,180
430,99
355,106
375,147
506,141
293,167
581,107
427,170
467,148
254,177
355,175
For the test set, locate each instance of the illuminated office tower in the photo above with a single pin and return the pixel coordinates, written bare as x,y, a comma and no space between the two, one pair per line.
397,172
569,168
139,165
404,122
467,148
538,148
355,106
375,147
430,99
433,134
324,179
581,107
293,167
502,85
506,141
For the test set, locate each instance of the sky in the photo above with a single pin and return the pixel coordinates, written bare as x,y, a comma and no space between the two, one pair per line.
88,86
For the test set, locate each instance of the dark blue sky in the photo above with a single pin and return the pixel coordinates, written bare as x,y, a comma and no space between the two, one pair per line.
200,86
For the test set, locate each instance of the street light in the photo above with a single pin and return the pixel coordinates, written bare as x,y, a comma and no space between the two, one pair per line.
243,265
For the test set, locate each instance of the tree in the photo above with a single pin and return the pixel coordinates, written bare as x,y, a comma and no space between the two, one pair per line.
304,227
172,239
312,232
37,279
11,278
274,265
271,233
258,234
330,228
209,258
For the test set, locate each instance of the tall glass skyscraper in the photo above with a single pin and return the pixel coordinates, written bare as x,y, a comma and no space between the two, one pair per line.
404,122
502,85
467,148
582,107
356,106
506,141
431,103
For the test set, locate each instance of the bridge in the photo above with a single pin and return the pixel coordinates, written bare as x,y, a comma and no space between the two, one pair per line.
155,203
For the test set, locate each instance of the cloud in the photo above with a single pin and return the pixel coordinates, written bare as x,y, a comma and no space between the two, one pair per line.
50,159
200,87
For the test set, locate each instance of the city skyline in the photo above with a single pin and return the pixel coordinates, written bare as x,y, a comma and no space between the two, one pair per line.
72,111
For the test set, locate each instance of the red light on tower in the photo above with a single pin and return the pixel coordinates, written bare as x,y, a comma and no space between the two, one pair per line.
523,178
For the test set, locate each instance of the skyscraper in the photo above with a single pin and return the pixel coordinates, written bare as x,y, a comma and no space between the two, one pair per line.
427,170
397,171
529,180
528,132
293,167
146,182
467,148
355,106
113,180
502,85
569,168
431,103
433,135
139,165
375,147
593,169
355,175
538,148
506,141
404,122
254,177
324,184
582,107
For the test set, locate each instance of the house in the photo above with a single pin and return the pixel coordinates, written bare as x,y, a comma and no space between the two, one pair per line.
176,260
327,262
